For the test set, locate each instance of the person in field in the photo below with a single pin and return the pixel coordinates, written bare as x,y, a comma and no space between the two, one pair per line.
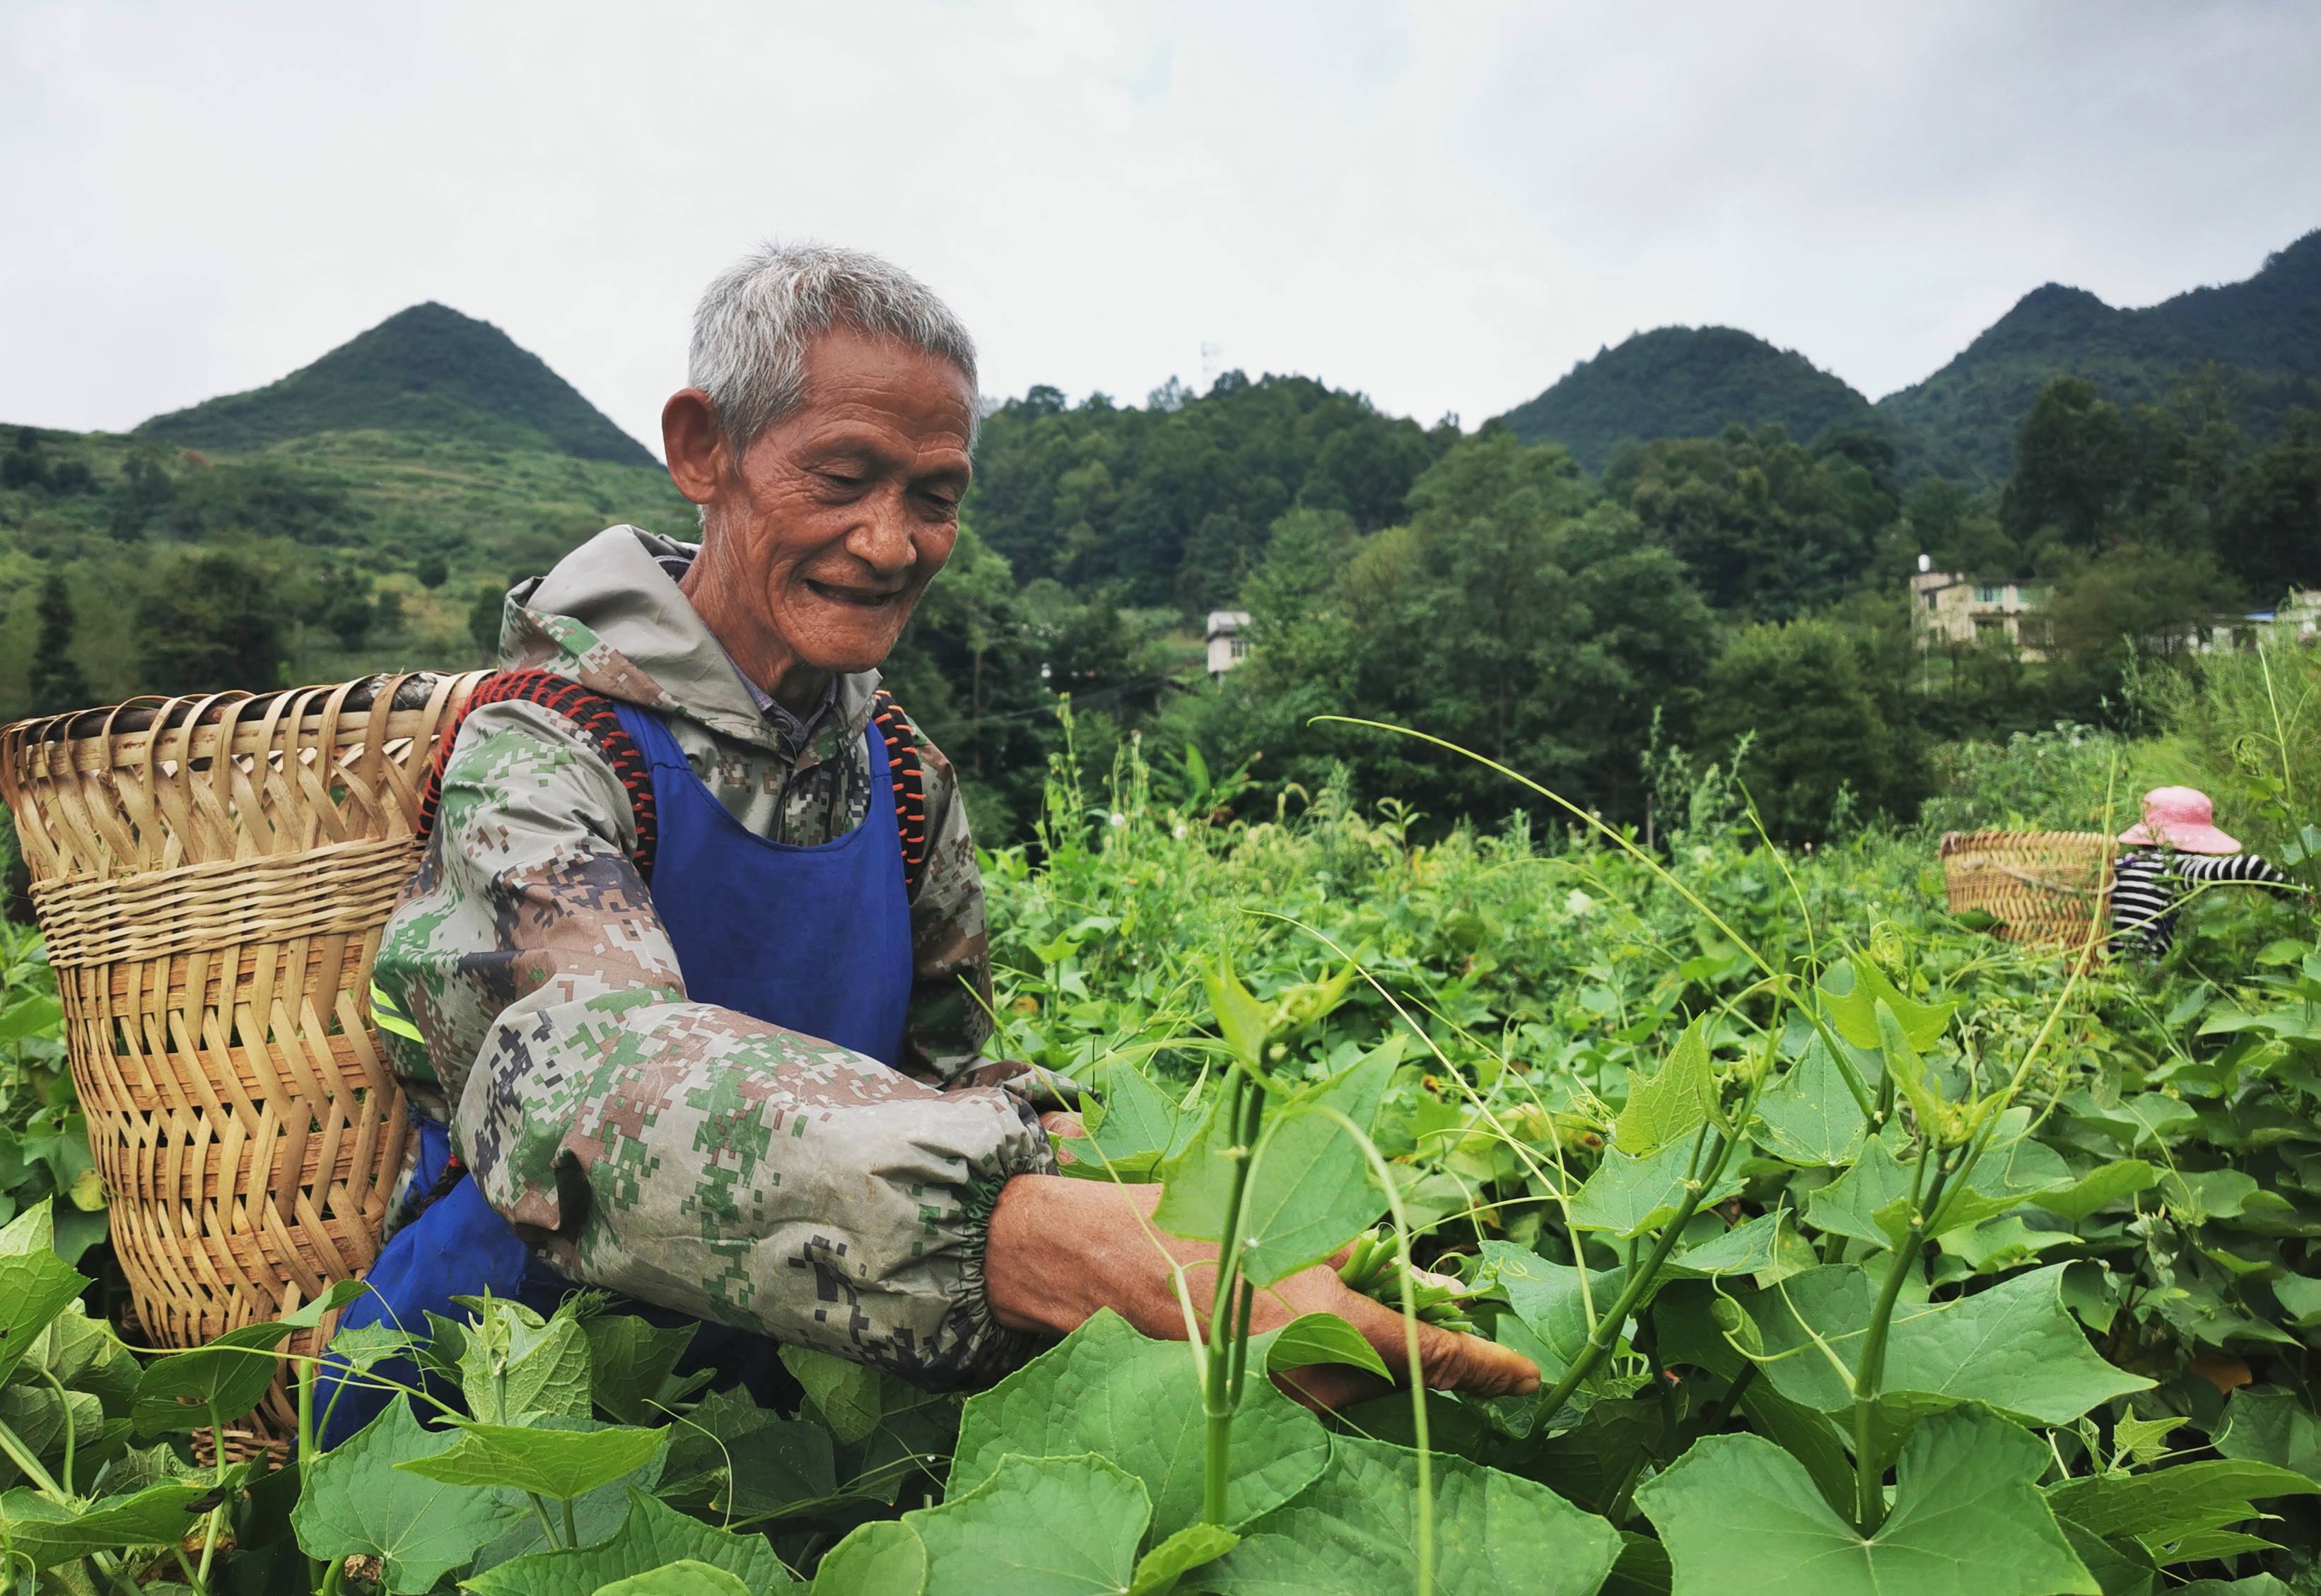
2174,851
689,991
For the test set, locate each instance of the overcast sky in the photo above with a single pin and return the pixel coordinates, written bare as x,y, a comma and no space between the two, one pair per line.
1443,204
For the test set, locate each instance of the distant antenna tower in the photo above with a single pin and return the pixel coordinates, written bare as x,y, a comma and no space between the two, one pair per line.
1212,359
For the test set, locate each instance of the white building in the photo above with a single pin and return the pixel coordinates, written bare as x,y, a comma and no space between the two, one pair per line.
1947,608
1228,639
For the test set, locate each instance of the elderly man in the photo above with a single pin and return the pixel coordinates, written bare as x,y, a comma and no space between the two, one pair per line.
690,975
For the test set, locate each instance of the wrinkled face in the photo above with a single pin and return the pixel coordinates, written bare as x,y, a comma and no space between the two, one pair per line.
833,521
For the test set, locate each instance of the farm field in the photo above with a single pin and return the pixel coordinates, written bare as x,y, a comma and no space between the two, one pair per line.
1861,1251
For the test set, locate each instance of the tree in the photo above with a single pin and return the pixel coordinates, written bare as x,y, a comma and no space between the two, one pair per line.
24,466
210,619
2132,603
1168,503
1767,528
1820,728
349,609
967,671
432,571
2271,532
1956,530
146,492
1511,616
56,683
483,616
2073,460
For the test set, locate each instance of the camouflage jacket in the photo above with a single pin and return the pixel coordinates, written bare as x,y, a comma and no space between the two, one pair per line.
683,1154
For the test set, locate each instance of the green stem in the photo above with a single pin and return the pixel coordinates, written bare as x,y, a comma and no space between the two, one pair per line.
1608,1328
29,1467
571,1525
539,1511
72,1429
1868,1473
216,1515
306,1371
1247,1107
1738,1392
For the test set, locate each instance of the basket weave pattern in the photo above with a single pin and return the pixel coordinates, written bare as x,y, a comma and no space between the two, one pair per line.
212,874
2042,886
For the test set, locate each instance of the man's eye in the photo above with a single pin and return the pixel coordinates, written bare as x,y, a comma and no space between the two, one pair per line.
839,478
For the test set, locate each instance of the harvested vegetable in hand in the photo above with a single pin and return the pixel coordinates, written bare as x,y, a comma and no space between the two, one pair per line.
1373,1267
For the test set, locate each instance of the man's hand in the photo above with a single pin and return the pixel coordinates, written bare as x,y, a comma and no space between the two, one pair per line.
1062,1248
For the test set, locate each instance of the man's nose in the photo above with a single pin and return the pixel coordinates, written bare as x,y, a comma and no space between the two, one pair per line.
882,539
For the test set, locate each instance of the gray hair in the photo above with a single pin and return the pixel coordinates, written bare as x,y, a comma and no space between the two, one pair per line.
753,325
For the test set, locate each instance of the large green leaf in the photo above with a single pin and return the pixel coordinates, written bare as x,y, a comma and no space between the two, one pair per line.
781,1468
1909,1072
2166,1504
1159,1569
1849,1204
1546,1296
1854,1013
598,1514
2099,1188
690,1577
884,1557
1767,1247
33,1015
2012,1347
1310,1190
1740,1516
1136,1128
1312,1339
1355,1533
514,1365
557,1464
86,1355
1670,1105
1629,1196
35,1284
2121,1567
360,1502
1808,1115
1107,1389
1037,1527
632,1367
2265,1424
651,1537
32,1526
226,1378
847,1396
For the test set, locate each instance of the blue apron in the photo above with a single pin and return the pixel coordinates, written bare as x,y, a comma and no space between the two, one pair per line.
814,940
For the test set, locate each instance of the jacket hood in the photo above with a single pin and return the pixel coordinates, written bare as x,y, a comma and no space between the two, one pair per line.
610,616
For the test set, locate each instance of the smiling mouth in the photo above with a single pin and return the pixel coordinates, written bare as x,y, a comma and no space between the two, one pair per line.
862,598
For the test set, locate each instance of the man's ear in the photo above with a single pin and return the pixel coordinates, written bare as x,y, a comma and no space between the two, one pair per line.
694,443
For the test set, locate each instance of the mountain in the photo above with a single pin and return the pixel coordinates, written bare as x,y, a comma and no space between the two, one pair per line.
1686,382
2264,332
2266,329
427,369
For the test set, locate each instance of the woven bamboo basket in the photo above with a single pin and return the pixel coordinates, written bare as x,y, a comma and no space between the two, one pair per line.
212,874
2049,887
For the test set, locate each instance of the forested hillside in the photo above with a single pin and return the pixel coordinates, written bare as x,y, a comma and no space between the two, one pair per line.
2259,341
427,370
1684,382
2264,332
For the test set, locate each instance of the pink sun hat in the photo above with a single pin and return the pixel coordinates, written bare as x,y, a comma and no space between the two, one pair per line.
2181,817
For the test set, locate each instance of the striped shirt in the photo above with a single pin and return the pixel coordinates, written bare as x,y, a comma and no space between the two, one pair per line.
2149,885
